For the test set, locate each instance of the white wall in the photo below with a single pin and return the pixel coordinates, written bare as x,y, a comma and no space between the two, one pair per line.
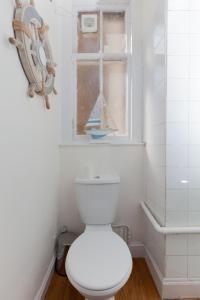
127,161
29,163
154,93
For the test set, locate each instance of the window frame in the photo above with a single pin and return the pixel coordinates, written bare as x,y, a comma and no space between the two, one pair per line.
128,57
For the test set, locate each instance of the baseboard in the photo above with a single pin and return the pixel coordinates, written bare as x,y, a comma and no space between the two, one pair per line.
171,288
46,281
137,249
155,272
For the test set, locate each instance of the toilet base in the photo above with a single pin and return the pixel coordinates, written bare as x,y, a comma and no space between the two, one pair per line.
112,298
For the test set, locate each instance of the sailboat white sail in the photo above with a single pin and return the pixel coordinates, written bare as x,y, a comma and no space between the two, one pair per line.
95,116
100,123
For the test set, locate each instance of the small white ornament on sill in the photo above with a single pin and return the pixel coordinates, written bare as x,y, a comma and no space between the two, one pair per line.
89,23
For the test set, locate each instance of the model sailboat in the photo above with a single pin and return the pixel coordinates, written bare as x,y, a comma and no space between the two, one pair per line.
100,123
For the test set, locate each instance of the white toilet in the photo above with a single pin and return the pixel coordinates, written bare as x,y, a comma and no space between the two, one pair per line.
99,262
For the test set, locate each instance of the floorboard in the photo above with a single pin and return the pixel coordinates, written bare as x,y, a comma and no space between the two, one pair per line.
139,287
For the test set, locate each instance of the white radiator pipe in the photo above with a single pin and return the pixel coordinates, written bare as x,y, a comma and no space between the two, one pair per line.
164,229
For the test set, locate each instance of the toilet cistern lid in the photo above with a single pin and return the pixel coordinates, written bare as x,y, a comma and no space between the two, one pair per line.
98,261
98,179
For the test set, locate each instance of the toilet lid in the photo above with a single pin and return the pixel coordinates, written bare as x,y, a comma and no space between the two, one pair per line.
98,260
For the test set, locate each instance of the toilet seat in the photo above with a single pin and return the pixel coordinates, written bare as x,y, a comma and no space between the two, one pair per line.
98,261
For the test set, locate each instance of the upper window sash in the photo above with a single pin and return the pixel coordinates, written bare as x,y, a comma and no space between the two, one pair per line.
103,9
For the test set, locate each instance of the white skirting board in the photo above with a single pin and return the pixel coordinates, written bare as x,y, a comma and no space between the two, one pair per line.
137,249
180,290
172,288
168,288
154,270
46,280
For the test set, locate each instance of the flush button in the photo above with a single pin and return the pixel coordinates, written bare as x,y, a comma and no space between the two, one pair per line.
97,177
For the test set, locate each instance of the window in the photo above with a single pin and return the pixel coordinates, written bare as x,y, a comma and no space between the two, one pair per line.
101,57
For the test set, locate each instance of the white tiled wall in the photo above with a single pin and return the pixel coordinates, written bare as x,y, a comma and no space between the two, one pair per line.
172,133
183,256
183,113
183,137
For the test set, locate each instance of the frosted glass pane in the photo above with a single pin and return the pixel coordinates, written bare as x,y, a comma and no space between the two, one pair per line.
114,35
87,91
115,92
88,42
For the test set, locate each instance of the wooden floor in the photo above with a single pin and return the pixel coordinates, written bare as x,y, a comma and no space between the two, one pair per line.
139,287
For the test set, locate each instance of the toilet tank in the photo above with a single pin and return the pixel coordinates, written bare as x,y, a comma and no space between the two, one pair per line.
97,199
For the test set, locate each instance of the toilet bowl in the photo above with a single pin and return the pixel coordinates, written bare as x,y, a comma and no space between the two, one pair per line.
99,262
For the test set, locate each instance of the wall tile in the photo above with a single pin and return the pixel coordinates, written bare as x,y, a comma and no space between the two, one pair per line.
194,42
176,244
178,4
178,89
195,111
176,218
178,44
177,156
194,22
194,266
177,178
194,91
194,134
177,111
178,133
178,22
194,199
194,244
176,266
194,218
178,66
194,65
194,156
194,4
194,178
176,200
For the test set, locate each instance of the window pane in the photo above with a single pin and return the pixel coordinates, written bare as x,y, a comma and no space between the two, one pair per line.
114,36
115,92
88,32
87,91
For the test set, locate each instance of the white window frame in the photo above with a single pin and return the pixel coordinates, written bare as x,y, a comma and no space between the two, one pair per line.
97,56
134,100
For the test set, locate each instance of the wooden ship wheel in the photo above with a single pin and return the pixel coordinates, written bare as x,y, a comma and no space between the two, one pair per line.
31,41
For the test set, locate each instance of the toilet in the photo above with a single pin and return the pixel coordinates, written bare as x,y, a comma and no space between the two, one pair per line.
99,262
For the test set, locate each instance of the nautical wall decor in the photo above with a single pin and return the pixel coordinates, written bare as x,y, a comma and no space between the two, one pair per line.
31,41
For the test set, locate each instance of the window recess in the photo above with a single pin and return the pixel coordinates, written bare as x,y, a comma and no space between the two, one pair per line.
101,60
